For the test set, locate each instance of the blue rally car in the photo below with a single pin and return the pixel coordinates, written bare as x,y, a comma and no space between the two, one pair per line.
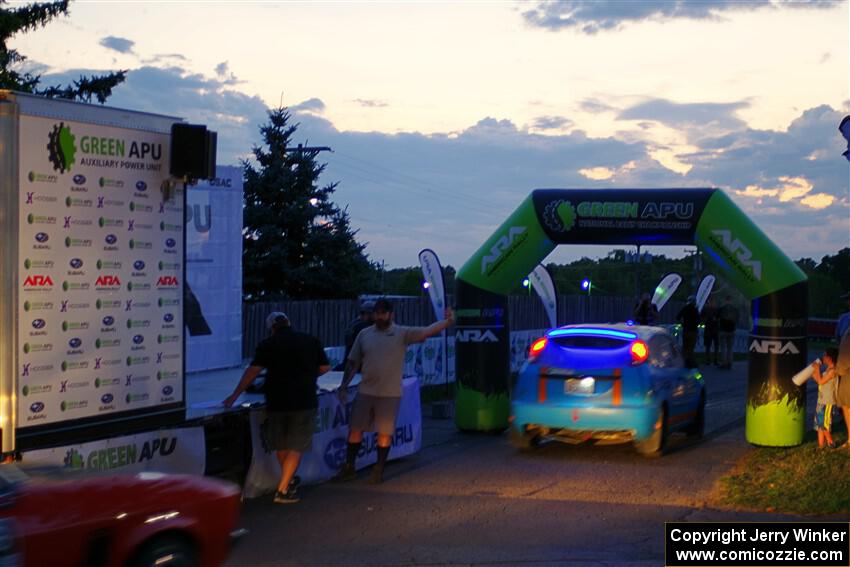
608,383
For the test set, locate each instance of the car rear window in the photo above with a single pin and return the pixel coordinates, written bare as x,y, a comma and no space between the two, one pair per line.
600,343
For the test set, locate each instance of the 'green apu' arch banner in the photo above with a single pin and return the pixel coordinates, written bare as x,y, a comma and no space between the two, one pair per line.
704,217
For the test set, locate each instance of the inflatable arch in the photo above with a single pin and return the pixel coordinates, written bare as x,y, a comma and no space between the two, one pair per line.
707,218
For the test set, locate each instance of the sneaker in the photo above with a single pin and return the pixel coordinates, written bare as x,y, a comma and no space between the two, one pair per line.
345,474
288,497
293,483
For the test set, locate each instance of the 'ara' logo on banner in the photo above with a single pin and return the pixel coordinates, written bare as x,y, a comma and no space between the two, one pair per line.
764,346
166,281
741,252
502,245
108,281
38,281
476,336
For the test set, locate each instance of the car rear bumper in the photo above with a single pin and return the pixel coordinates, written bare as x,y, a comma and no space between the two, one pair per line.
625,421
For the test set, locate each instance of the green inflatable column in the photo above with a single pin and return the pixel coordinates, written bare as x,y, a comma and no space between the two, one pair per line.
776,408
482,332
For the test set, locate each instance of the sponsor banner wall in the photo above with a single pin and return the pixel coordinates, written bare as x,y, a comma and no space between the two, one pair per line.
214,271
327,454
167,450
426,361
99,309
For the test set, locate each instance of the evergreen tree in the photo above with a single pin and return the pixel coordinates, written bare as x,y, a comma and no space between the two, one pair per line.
296,242
12,76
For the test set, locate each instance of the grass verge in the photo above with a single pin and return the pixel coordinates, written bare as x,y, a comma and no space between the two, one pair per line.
796,480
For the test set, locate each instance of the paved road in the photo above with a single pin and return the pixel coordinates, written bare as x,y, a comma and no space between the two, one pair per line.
469,499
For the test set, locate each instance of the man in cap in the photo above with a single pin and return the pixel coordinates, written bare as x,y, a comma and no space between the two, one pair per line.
363,320
293,361
378,353
689,317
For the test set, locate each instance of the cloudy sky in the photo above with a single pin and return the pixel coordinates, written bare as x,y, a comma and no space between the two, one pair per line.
443,116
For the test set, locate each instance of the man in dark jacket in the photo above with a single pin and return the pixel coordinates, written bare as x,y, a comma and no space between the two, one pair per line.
645,312
293,361
710,334
365,319
689,317
727,321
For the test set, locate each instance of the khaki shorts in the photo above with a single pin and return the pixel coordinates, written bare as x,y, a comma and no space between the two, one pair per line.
374,413
290,430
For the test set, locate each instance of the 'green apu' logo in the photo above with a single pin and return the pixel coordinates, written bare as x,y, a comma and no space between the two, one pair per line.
61,148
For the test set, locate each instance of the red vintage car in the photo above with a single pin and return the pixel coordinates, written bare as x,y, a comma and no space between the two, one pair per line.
62,518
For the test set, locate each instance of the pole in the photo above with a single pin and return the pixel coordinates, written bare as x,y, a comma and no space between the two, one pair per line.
446,360
637,274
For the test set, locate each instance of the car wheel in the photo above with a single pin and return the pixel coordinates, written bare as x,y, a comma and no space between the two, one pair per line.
167,550
653,446
697,426
523,440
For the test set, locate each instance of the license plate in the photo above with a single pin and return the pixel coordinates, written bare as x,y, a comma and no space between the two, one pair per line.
579,385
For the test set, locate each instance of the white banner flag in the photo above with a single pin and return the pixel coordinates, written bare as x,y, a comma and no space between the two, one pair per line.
542,283
665,289
704,291
433,273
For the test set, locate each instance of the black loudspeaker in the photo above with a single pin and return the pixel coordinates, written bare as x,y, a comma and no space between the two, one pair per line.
193,150
212,144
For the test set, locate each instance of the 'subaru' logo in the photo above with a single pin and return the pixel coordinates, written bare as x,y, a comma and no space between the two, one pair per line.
61,148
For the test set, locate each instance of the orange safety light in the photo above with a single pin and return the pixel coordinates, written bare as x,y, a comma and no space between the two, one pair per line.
639,352
537,346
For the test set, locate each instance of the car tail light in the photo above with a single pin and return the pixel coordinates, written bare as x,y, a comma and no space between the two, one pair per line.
537,347
639,352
